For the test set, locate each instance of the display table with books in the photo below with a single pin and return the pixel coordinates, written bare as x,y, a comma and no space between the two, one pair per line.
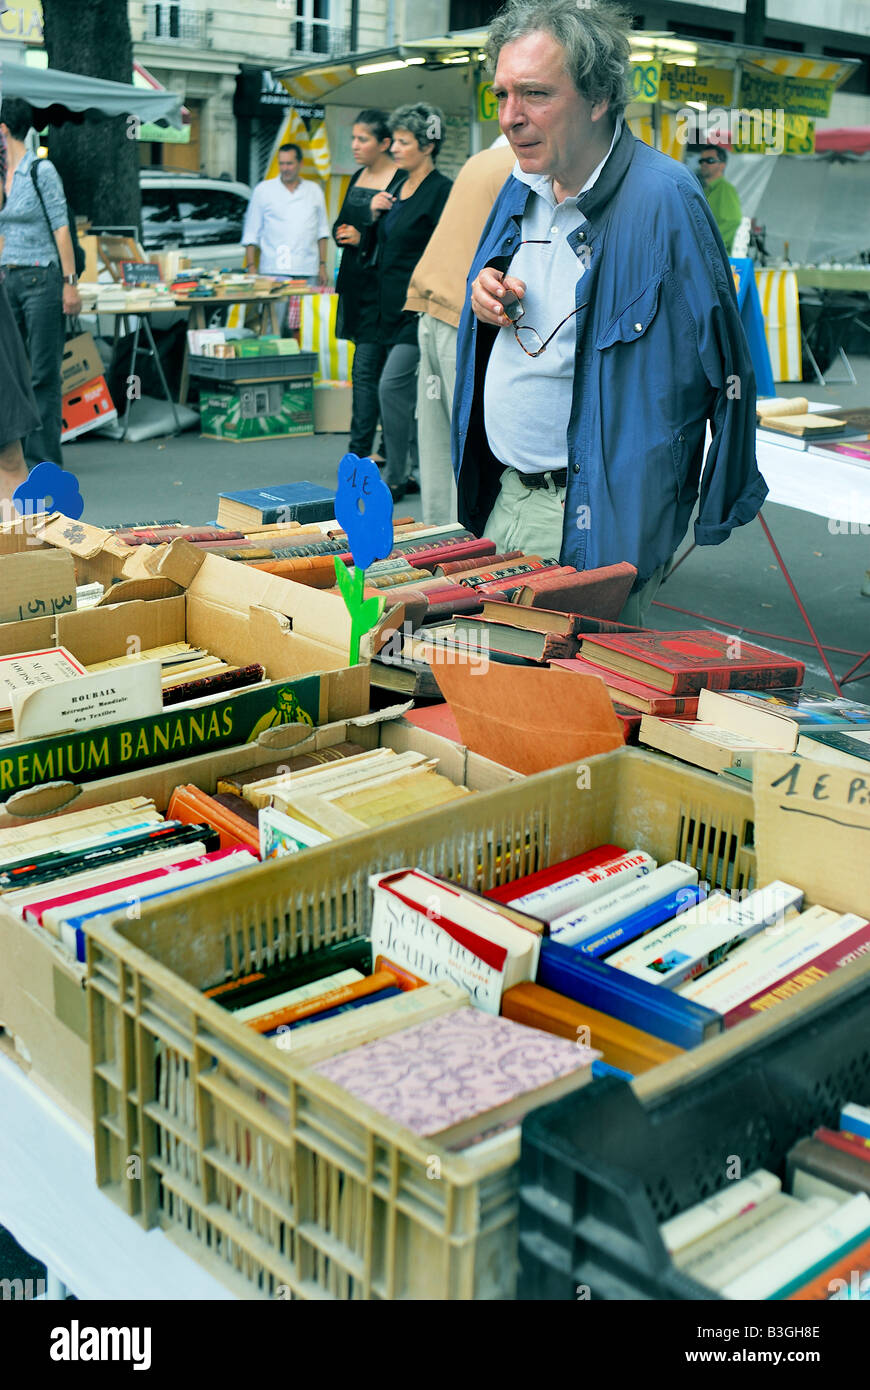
316,975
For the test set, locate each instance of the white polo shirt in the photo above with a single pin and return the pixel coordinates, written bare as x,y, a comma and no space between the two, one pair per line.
286,225
527,400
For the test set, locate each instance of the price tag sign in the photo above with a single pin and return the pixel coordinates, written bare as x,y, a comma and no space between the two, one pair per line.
140,273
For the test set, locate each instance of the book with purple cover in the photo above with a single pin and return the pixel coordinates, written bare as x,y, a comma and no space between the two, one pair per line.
461,1075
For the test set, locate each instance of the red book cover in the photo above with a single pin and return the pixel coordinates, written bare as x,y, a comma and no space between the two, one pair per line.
448,607
630,721
503,584
34,911
601,592
438,554
834,958
644,698
849,1144
435,719
515,570
542,878
682,663
459,566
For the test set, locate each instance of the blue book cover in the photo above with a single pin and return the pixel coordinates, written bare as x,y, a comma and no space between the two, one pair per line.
72,929
282,502
653,915
664,1014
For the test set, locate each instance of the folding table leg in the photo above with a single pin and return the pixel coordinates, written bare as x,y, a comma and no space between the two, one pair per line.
159,365
797,598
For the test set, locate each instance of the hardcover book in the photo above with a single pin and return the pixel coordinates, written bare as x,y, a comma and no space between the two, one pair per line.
440,931
637,695
600,593
302,502
460,1075
682,663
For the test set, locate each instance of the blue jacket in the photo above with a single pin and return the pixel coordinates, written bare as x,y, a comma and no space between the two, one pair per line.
660,350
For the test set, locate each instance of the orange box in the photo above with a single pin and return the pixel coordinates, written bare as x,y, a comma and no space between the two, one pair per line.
85,408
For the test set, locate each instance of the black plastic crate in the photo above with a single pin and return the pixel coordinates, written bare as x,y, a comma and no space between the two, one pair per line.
252,368
600,1170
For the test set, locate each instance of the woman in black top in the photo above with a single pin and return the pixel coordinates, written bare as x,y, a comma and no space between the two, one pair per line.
357,287
403,224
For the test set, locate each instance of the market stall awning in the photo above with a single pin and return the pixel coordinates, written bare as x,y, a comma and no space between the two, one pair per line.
65,96
845,140
150,131
664,68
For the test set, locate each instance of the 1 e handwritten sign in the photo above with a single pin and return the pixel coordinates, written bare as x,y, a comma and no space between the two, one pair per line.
812,828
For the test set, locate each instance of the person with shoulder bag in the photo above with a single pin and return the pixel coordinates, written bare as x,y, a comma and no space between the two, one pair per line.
39,264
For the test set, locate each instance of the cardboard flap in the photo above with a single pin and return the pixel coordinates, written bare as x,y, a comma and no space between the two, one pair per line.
75,536
284,736
812,828
178,561
32,635
145,589
36,583
45,800
100,633
528,718
314,613
377,637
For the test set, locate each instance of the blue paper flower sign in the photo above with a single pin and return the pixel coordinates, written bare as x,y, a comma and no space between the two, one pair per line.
364,509
49,489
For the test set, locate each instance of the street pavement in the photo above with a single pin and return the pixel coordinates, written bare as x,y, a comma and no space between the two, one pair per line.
737,586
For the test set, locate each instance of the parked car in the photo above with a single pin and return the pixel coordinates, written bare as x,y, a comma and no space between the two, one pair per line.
200,216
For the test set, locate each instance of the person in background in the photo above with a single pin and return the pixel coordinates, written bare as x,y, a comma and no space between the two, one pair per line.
286,219
437,293
357,317
18,413
402,224
722,196
40,278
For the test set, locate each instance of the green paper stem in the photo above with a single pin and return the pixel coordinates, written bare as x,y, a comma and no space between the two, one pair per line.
365,613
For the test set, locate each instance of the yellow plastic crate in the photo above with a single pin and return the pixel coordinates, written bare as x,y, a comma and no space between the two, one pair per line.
267,1173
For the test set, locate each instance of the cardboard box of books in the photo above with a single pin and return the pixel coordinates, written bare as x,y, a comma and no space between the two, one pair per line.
116,716
43,1014
98,555
42,1003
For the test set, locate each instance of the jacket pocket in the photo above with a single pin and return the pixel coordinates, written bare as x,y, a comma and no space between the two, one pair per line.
632,322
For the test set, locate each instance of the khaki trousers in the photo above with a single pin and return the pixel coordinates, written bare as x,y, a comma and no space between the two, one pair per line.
531,519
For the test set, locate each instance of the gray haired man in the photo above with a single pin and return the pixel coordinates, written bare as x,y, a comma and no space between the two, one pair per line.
602,331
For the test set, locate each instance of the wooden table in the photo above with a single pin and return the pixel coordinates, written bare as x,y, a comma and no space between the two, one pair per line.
266,307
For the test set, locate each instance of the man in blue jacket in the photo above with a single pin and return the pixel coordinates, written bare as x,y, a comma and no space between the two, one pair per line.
602,331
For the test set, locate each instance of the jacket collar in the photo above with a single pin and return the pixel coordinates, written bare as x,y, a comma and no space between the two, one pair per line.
595,199
599,195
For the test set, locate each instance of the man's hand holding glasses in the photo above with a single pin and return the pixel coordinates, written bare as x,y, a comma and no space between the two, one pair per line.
495,297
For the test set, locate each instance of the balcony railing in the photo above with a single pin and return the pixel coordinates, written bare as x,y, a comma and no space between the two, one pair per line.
318,38
179,23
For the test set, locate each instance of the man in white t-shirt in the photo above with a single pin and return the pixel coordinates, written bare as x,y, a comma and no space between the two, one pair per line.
286,219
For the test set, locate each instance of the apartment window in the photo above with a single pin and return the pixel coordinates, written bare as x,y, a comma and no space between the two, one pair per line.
320,27
172,20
